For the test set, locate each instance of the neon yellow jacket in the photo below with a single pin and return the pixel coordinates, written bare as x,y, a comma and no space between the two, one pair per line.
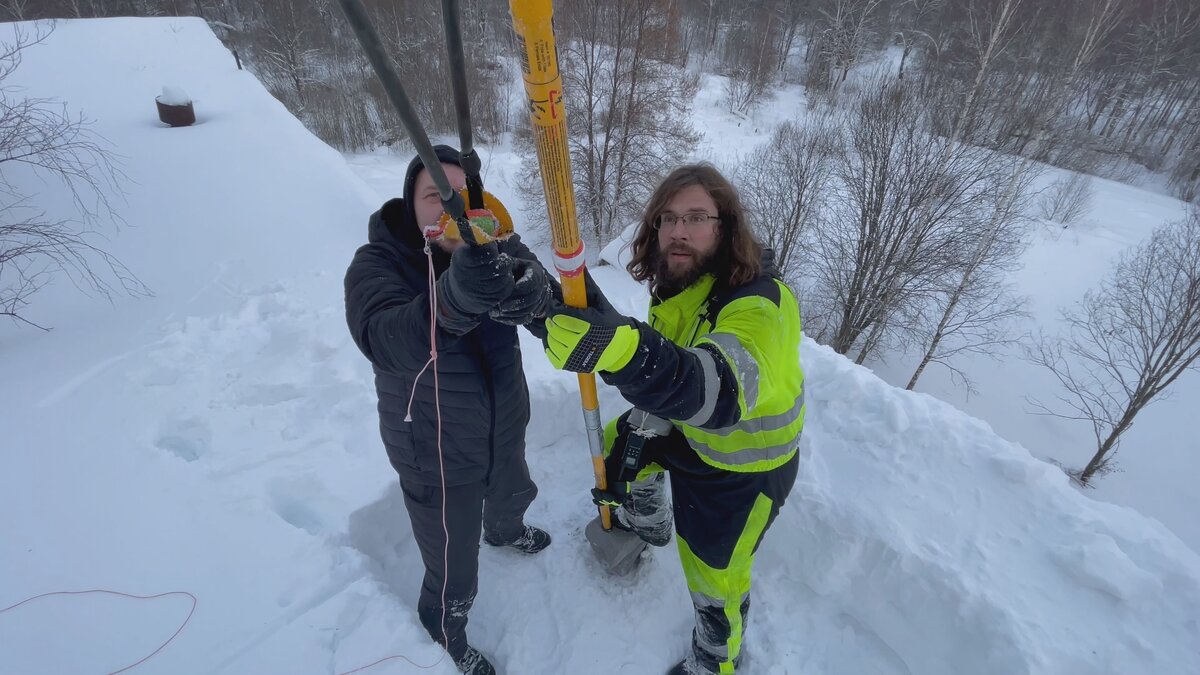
724,366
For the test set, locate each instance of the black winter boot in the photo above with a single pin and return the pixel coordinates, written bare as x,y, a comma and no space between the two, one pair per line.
532,540
474,663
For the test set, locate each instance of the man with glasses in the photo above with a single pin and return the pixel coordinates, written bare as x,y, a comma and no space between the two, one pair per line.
718,396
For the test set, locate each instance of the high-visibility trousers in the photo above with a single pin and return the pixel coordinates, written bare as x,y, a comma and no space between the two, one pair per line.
720,519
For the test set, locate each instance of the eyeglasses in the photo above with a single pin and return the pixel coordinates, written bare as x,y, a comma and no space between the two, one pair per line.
690,220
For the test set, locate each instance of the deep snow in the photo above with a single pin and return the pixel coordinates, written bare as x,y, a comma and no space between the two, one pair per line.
220,438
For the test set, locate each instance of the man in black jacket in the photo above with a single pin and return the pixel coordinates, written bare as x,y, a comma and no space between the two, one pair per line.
455,436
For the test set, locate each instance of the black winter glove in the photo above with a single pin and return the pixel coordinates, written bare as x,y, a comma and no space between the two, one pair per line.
531,295
478,278
595,297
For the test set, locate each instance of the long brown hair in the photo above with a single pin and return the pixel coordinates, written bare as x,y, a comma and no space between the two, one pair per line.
738,255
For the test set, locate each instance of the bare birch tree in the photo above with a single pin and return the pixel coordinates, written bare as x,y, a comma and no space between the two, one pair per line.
977,310
626,107
752,54
896,219
1129,339
784,185
842,32
910,20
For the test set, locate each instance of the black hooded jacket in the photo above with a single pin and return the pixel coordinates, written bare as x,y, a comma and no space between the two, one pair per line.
484,400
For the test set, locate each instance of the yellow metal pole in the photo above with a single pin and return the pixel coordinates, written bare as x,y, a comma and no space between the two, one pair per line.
532,21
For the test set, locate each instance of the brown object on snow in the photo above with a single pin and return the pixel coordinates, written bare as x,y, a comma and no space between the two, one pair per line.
175,115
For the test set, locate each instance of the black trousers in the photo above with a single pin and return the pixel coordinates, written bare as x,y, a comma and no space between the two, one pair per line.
496,506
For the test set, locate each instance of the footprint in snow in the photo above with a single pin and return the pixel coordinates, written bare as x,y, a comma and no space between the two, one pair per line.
188,439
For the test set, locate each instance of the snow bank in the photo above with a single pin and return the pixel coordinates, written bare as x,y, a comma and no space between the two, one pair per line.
221,439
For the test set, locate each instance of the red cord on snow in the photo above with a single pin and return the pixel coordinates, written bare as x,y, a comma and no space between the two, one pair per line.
124,595
389,658
445,528
183,625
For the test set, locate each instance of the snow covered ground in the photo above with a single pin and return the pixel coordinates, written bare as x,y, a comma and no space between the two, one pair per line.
1160,452
220,439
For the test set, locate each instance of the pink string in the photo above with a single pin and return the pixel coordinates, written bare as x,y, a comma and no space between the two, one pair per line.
437,399
385,660
124,595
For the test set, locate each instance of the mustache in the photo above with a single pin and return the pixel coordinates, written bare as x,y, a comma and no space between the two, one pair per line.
678,247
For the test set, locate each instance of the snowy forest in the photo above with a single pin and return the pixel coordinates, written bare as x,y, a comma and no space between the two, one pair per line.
1110,87
898,200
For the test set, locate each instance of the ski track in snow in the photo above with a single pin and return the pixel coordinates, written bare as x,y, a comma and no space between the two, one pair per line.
312,601
76,382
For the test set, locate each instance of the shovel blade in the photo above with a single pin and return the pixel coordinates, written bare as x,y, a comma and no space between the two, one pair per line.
617,550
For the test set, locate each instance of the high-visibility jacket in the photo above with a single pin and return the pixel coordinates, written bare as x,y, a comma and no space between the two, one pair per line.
723,364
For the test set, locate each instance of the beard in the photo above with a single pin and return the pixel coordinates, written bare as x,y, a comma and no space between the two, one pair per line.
669,282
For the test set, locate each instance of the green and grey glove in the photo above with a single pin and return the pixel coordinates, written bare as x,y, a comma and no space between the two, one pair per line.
598,338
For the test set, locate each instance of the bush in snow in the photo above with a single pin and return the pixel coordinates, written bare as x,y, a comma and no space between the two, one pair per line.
1067,199
42,143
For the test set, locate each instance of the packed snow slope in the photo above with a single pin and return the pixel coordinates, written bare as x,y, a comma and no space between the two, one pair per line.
220,438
